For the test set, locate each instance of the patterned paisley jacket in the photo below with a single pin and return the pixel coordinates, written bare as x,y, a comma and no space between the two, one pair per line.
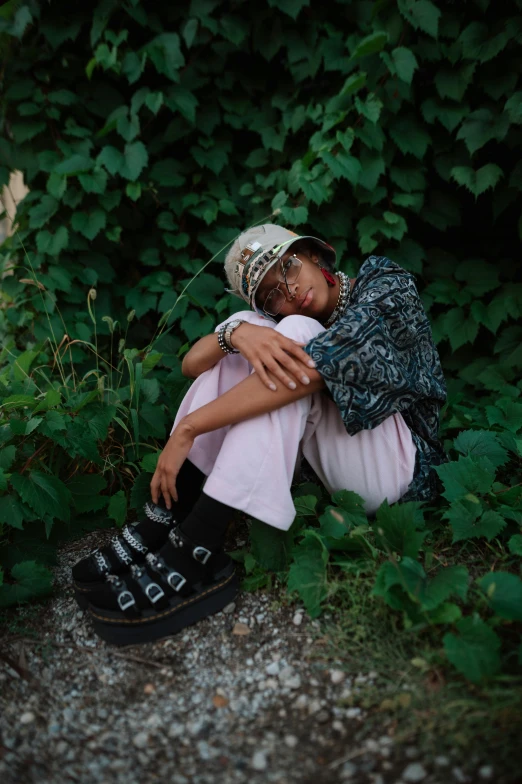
379,359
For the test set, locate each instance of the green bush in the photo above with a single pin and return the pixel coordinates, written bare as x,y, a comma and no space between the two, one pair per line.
149,137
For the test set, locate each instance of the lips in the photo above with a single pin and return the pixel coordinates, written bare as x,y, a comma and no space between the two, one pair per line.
305,300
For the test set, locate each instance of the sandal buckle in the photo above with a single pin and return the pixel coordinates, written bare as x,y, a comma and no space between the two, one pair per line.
171,577
154,597
201,554
126,600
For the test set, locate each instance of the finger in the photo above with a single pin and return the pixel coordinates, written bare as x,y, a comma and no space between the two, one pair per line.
294,347
261,372
165,492
278,371
286,361
172,487
301,355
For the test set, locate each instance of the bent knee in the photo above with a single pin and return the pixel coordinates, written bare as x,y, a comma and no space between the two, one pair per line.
250,317
299,327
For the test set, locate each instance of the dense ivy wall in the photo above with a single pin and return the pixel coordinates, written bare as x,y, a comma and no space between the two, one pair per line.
149,136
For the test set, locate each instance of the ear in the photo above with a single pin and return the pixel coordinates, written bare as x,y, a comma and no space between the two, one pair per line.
315,258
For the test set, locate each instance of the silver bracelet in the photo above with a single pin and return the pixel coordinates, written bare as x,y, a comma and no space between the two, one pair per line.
221,341
230,328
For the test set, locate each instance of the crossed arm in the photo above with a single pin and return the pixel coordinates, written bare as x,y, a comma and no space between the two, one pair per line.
252,397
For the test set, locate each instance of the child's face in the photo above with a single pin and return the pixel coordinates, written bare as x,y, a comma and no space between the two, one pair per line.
307,296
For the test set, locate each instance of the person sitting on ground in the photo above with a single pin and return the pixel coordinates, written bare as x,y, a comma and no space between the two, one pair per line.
341,370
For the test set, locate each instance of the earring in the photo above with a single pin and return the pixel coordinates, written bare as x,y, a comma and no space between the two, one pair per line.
330,279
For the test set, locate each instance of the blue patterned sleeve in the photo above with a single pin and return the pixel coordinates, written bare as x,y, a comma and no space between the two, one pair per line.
376,358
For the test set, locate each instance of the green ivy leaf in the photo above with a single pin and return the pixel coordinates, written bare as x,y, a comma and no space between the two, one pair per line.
422,15
513,107
480,127
453,83
32,581
305,505
466,475
182,100
410,136
12,512
56,185
85,491
475,651
7,456
370,45
307,573
149,462
405,63
467,521
396,528
481,443
43,212
128,126
371,107
89,223
45,494
515,544
504,592
270,547
135,158
117,509
76,164
94,182
506,413
111,158
52,244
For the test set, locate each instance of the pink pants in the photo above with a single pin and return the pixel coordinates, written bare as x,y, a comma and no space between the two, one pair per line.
250,465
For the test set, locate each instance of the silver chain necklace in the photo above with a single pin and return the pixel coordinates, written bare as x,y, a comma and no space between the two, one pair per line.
342,300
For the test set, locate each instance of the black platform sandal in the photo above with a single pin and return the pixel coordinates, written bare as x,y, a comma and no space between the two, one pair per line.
154,600
129,547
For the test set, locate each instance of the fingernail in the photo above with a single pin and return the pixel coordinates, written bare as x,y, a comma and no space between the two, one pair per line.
311,363
305,379
273,387
292,385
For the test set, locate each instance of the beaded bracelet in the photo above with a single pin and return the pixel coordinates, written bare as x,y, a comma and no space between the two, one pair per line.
222,344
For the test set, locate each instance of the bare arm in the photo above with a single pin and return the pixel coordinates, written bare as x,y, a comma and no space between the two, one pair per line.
267,350
202,356
246,400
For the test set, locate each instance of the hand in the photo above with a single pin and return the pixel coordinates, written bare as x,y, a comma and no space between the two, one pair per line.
169,463
268,350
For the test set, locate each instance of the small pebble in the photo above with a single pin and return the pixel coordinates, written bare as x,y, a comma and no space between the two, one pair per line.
141,740
297,619
27,718
441,761
272,668
348,770
486,772
337,676
241,629
259,761
459,775
229,608
291,741
414,772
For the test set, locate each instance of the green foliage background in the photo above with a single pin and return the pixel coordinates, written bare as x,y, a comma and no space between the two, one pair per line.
149,136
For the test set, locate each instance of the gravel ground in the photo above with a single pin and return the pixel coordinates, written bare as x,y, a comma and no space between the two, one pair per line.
242,696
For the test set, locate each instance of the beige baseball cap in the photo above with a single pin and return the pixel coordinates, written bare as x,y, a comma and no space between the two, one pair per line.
259,254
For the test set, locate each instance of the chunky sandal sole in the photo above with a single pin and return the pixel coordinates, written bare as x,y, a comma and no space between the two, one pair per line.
82,591
118,630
